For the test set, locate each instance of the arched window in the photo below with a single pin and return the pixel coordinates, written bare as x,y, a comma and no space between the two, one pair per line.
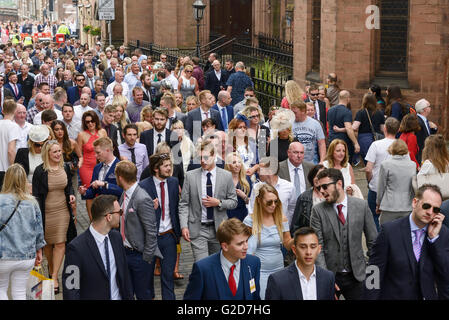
393,42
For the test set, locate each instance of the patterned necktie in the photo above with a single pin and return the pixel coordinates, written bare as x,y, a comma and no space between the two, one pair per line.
417,243
105,173
133,155
207,115
163,200
297,183
231,281
341,216
210,210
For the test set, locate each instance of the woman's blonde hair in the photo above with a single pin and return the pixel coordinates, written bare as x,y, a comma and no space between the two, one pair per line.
330,153
435,150
293,91
15,182
247,112
70,65
46,157
122,120
186,145
258,211
242,174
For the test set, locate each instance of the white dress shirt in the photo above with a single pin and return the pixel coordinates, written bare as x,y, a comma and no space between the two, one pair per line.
218,74
126,198
38,117
156,138
302,179
73,128
317,109
22,141
165,224
99,239
79,110
203,114
308,287
226,267
213,178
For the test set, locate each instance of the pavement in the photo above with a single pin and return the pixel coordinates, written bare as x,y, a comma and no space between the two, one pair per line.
186,259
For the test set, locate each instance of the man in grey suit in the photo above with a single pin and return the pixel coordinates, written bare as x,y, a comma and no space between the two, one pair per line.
295,169
206,195
339,222
138,227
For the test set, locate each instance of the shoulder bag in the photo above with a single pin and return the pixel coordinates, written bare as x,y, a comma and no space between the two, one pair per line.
15,209
377,136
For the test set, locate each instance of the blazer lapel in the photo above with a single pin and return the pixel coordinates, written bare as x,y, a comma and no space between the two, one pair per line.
295,282
407,240
319,284
199,184
220,280
217,182
332,217
92,244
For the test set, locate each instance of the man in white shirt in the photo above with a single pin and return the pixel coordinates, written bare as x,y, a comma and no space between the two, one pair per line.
268,166
314,283
118,80
47,104
20,118
132,79
9,134
82,107
378,152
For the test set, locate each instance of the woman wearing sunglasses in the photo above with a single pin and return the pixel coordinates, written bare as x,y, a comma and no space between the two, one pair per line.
31,157
270,230
394,189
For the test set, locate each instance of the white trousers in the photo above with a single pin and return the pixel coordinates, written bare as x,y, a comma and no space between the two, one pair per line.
18,271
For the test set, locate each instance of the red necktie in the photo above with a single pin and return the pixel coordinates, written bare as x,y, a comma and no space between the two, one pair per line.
163,200
207,115
15,90
341,216
231,281
122,224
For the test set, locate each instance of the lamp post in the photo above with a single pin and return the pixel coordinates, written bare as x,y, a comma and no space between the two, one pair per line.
198,13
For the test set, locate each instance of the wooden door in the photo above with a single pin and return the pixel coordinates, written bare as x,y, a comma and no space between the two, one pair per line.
232,18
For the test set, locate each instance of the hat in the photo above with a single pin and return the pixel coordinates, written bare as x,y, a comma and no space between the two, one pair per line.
421,105
39,133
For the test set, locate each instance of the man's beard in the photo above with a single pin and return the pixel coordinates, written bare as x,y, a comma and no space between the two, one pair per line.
333,197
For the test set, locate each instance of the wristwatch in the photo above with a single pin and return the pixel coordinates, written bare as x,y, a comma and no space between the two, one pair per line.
106,184
219,205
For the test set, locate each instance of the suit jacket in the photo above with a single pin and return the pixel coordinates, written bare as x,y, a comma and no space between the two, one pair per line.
285,284
213,84
147,138
6,94
23,159
173,196
190,206
421,136
229,110
112,188
19,90
401,276
193,122
66,84
93,280
73,94
284,173
107,76
323,114
141,225
208,282
325,222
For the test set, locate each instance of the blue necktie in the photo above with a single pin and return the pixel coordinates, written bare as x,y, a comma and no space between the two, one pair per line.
428,126
210,210
224,119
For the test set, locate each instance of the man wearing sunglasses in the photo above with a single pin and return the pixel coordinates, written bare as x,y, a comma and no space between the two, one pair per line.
320,106
409,258
95,266
339,222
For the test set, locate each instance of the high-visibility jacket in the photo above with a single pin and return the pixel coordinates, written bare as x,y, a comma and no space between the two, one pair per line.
15,39
63,29
27,41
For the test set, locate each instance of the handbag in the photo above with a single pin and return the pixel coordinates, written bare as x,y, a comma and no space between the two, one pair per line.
439,179
377,136
15,209
39,287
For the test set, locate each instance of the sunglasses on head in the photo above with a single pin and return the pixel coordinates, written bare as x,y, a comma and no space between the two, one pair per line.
427,206
269,203
324,186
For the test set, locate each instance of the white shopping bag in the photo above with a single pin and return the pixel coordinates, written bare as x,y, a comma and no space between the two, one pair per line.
39,287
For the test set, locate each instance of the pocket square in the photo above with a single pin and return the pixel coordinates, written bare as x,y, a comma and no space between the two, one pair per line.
130,210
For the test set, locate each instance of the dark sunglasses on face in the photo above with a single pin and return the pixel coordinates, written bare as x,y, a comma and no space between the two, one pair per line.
324,186
38,145
314,94
269,203
427,206
89,121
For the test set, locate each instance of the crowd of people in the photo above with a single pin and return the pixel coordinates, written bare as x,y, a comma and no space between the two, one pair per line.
161,152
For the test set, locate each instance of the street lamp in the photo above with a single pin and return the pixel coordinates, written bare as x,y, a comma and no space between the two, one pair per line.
198,13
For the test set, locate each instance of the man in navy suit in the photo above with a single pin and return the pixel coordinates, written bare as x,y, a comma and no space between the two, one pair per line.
230,274
14,86
151,138
302,280
95,265
164,190
74,93
320,106
103,177
196,116
423,110
223,106
409,260
216,79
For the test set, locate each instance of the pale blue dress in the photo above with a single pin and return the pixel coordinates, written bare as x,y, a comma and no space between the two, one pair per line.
268,251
